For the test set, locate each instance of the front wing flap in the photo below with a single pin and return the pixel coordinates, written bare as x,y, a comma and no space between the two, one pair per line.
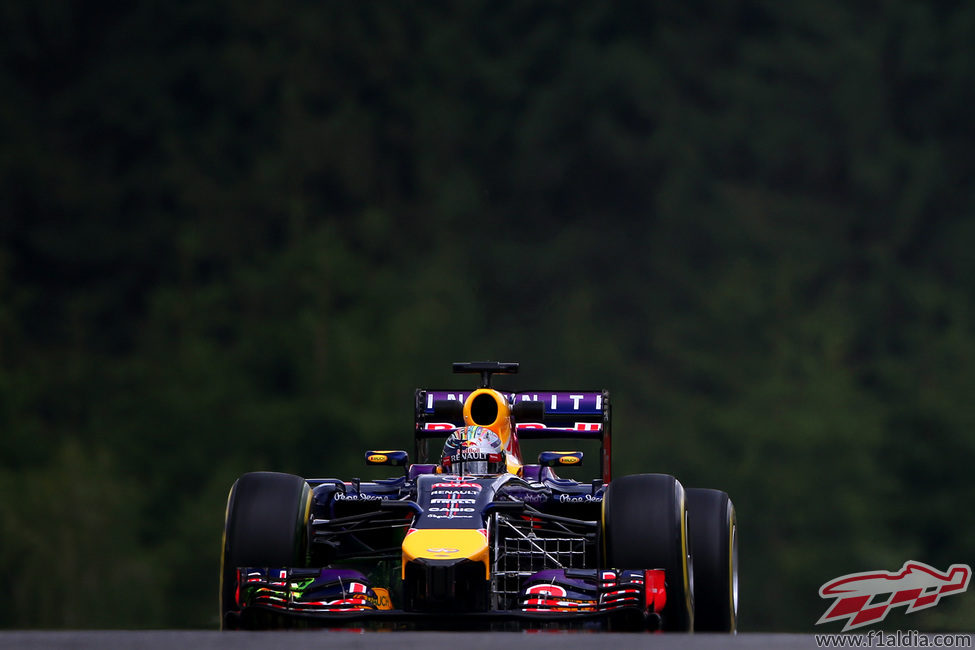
593,590
309,591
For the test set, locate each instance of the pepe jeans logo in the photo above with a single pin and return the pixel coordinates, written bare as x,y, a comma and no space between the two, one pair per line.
580,498
866,598
339,496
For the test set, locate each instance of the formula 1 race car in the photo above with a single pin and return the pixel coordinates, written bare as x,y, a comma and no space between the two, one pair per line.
479,538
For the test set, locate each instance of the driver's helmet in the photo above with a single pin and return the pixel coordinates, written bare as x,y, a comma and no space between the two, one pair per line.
473,450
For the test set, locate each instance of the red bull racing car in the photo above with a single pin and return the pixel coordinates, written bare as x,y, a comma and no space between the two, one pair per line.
480,536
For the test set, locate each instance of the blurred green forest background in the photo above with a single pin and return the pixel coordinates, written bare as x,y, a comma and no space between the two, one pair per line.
237,235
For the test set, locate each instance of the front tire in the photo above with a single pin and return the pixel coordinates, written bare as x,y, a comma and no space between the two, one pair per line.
714,546
645,527
266,526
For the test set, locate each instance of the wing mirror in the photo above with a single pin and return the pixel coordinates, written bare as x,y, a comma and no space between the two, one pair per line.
560,458
394,458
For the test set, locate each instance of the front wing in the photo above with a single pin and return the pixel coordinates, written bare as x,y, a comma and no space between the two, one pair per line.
604,598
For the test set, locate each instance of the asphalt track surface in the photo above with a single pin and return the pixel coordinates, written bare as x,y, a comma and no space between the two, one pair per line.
330,639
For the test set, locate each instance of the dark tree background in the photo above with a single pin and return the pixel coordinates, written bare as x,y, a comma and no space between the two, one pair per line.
236,236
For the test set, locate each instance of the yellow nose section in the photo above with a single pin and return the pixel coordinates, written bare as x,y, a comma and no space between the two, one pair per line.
446,544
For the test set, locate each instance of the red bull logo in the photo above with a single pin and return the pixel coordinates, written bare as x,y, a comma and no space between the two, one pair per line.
867,598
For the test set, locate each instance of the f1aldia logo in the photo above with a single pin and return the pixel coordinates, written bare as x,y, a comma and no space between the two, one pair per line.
866,598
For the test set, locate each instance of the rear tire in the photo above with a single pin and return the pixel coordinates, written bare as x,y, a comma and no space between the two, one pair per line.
266,526
714,546
645,527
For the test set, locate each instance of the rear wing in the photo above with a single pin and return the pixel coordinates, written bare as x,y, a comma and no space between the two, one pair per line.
536,415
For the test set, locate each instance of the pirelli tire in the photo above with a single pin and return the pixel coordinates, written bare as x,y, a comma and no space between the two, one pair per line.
645,527
714,546
266,526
